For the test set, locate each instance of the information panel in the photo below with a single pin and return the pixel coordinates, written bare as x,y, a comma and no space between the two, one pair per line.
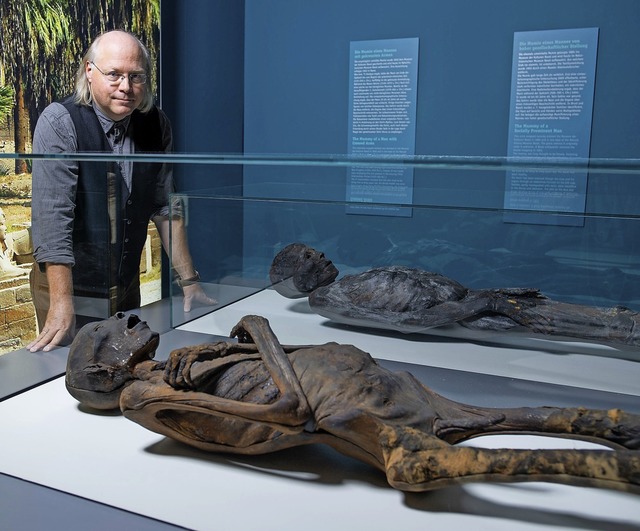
552,89
383,81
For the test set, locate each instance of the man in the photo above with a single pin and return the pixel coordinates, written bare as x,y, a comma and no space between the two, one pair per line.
90,218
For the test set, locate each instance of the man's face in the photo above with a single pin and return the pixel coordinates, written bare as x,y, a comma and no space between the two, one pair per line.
117,52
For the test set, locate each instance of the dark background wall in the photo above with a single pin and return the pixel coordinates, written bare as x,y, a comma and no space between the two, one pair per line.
296,92
202,86
271,76
201,75
297,67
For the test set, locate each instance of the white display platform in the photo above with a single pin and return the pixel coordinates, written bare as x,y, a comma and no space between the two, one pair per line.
47,439
530,359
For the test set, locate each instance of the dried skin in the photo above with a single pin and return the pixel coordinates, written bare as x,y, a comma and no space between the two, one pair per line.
413,300
338,395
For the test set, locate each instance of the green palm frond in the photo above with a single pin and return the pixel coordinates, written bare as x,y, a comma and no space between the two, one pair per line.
6,101
42,41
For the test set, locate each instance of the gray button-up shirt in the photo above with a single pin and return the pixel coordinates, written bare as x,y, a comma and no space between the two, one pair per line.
54,182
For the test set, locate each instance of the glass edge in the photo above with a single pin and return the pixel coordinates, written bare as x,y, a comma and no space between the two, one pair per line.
592,165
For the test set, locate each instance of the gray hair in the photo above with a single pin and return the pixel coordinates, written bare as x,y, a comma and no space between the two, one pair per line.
82,93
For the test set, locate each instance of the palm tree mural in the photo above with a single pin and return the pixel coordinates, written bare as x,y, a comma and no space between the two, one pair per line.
30,31
6,101
41,44
91,17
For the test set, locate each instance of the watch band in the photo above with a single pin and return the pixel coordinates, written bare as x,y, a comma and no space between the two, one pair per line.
182,282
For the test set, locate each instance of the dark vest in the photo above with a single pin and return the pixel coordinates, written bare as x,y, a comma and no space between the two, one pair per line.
110,222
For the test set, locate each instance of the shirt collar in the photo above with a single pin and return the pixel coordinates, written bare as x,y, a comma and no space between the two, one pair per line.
107,123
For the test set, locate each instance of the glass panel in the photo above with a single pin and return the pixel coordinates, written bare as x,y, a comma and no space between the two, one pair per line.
456,226
251,207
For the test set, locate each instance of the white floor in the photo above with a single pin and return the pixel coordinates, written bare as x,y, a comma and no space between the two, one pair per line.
48,440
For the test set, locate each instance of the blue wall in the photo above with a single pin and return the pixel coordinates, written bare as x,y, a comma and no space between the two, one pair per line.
296,97
202,69
297,67
202,85
293,98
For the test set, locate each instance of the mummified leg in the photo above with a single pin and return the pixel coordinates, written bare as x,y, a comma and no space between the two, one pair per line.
602,426
443,465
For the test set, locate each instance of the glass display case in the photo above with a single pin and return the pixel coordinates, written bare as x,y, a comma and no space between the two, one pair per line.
450,216
240,213
459,224
494,156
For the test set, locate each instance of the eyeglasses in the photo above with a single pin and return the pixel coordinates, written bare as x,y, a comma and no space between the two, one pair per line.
115,78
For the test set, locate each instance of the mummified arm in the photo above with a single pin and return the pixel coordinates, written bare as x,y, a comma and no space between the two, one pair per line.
256,329
178,367
180,372
256,342
611,427
616,325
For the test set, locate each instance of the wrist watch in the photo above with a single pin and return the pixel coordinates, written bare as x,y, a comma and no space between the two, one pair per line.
182,282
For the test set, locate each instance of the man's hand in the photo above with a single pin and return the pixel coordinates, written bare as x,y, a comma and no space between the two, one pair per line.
194,295
58,329
178,248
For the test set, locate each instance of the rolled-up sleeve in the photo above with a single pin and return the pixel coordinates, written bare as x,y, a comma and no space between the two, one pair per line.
54,184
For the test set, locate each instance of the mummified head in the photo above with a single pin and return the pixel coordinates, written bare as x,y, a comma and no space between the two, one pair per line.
299,269
102,356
